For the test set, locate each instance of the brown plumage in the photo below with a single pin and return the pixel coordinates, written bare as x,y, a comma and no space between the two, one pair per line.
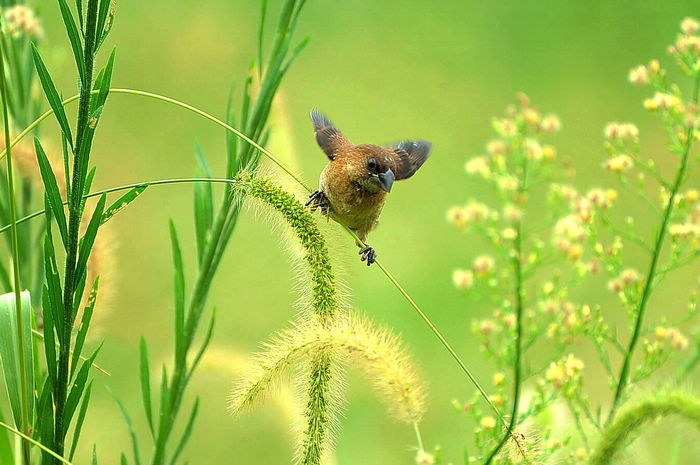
355,183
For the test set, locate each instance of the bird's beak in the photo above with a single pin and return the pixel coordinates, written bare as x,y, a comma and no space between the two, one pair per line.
386,180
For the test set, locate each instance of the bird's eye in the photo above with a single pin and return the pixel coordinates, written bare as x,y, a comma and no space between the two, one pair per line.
372,164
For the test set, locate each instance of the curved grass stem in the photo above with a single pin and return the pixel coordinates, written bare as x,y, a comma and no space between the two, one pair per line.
287,170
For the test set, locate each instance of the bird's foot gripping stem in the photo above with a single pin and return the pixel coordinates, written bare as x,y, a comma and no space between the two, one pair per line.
318,199
368,254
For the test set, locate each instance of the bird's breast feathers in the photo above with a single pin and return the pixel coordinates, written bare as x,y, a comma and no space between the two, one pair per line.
352,203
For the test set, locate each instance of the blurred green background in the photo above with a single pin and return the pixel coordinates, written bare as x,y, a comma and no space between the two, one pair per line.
382,71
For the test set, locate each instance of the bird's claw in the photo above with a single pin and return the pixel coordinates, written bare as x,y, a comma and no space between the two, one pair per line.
368,254
318,199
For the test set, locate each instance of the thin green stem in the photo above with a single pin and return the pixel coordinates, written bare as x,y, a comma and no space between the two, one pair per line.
219,225
15,259
517,271
680,177
36,443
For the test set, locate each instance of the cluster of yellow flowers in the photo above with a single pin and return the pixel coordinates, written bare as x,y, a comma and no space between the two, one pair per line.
687,225
565,374
20,19
671,336
571,230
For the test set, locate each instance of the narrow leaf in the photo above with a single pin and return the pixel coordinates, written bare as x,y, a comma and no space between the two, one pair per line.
122,202
89,238
179,294
52,94
164,414
9,353
261,32
52,191
186,433
106,80
101,19
79,5
84,325
86,187
203,205
130,426
74,37
79,421
146,383
53,281
205,344
49,340
45,418
78,386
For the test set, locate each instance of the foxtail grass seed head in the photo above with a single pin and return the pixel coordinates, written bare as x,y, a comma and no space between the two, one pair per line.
352,339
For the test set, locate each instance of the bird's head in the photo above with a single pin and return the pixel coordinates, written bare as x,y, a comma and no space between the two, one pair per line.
370,167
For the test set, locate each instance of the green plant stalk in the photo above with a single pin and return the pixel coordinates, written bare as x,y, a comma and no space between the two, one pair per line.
15,256
517,271
220,221
658,245
75,213
623,429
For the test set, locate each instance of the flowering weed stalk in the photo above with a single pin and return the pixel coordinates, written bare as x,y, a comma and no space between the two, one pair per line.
540,313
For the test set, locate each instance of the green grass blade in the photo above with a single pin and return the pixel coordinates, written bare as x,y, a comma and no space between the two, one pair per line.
9,342
145,373
231,139
66,164
80,420
122,202
108,23
74,38
53,281
86,188
84,325
79,6
186,433
164,413
94,454
179,294
123,460
53,193
261,33
78,297
130,426
203,205
89,238
205,344
101,20
78,387
52,94
49,340
45,418
106,80
295,54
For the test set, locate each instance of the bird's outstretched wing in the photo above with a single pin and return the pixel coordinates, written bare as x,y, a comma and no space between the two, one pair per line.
408,156
329,138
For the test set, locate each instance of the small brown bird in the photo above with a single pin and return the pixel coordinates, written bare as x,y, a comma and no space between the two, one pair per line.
355,183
